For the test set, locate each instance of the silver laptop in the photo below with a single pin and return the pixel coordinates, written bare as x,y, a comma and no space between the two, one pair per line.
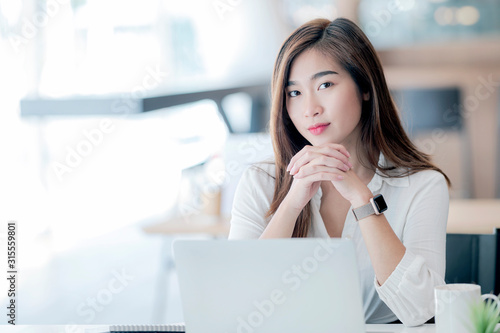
279,285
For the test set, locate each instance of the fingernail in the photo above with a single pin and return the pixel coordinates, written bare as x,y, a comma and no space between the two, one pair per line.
349,164
340,177
288,167
292,172
346,167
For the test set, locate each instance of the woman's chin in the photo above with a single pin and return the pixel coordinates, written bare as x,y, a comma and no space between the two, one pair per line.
320,142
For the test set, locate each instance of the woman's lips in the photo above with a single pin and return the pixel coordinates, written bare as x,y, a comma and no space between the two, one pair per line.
318,129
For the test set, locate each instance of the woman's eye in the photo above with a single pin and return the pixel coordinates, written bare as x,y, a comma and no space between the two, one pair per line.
293,93
325,85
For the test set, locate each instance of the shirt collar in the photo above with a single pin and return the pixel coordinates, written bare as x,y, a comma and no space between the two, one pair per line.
377,180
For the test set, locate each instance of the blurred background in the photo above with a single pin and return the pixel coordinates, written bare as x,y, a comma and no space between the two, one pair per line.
127,124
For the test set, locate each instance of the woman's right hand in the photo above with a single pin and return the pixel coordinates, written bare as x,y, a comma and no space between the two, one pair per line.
321,163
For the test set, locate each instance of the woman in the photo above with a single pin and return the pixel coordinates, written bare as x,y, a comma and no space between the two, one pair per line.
341,154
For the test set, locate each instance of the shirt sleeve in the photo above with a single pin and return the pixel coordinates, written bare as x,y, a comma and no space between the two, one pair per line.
252,200
409,290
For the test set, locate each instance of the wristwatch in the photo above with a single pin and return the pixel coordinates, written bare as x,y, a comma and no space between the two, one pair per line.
376,206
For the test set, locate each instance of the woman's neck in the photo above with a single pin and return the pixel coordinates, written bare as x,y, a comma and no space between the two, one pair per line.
364,173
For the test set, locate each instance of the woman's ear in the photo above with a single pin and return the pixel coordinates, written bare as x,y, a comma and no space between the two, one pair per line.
366,96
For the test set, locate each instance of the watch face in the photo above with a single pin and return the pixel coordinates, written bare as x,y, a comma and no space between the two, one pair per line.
380,202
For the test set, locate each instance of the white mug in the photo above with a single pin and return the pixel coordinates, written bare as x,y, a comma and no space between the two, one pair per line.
454,307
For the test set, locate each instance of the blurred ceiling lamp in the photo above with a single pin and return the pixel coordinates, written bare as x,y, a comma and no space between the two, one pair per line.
468,15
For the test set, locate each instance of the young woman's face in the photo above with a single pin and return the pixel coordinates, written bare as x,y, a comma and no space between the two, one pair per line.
323,100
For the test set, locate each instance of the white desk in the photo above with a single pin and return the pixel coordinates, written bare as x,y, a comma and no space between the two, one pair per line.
395,328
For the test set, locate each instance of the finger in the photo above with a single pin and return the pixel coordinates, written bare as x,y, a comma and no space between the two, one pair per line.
335,159
338,147
297,156
322,176
335,150
328,152
305,158
313,169
306,154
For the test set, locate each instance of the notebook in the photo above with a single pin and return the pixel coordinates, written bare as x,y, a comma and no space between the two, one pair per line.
164,328
279,285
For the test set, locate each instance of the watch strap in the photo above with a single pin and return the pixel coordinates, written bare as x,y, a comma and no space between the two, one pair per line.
363,211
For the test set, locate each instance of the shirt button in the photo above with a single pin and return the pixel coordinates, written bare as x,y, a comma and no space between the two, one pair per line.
347,237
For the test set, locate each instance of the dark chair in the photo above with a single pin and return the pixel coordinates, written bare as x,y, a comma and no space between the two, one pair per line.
474,258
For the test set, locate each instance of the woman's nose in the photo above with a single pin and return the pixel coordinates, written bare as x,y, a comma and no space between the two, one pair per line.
312,107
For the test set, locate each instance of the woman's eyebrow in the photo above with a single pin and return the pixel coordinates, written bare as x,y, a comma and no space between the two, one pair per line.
314,77
323,73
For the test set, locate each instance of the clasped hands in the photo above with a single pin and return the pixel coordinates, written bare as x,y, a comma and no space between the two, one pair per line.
329,162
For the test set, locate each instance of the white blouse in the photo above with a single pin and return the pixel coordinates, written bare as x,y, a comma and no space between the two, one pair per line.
417,212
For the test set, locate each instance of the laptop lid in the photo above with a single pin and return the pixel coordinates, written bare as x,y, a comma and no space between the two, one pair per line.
278,285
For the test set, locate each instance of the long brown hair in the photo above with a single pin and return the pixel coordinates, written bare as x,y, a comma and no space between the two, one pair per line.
381,129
